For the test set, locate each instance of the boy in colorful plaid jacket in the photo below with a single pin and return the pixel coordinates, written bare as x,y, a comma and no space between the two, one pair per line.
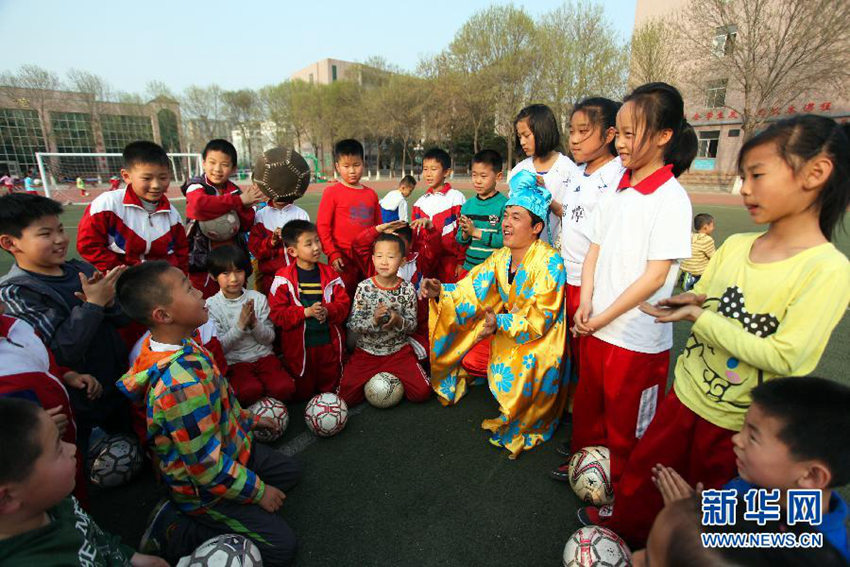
219,480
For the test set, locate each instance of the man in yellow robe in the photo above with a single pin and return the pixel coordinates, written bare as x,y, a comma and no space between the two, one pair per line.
517,297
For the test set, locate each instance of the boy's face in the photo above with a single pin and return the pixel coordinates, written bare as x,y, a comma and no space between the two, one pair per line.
387,258
187,308
149,180
763,459
307,247
231,282
350,169
218,167
484,179
42,245
276,204
709,228
433,173
405,190
517,231
53,475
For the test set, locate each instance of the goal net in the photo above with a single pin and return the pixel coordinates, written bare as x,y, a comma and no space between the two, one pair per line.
61,173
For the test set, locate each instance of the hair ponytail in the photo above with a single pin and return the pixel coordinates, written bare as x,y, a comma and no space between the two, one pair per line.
662,108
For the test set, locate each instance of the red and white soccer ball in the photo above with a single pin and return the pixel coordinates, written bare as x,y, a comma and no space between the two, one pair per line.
595,546
221,228
326,414
590,475
275,410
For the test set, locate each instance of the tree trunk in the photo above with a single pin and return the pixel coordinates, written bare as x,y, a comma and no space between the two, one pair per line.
378,161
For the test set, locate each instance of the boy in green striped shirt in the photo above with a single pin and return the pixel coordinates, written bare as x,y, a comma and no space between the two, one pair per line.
481,216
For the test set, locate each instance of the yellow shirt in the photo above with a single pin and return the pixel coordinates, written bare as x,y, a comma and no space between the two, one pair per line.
761,321
702,249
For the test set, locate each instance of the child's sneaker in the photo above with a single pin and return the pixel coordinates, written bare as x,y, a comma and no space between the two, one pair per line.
593,516
162,518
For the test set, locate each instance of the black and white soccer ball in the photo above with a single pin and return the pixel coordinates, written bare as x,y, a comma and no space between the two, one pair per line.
384,390
220,228
228,550
595,546
114,460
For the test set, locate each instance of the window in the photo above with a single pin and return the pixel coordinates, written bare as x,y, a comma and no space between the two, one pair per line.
734,133
333,72
121,129
20,137
715,93
311,78
73,134
708,143
724,40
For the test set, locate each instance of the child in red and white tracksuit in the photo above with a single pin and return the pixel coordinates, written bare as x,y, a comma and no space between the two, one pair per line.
208,197
422,261
441,204
265,240
383,316
139,223
309,305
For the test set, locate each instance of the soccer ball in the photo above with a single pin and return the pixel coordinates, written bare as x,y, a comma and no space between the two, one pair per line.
220,228
595,546
115,460
383,390
590,475
281,173
270,407
326,415
228,550
36,182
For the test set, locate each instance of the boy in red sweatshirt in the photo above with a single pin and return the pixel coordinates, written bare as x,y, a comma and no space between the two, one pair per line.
442,205
346,209
210,196
139,223
309,304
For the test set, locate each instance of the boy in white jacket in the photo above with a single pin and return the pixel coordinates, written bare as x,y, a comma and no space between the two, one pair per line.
245,331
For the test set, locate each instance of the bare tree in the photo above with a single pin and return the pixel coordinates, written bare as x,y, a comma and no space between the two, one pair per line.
203,108
580,55
653,56
155,89
41,85
767,53
244,110
97,91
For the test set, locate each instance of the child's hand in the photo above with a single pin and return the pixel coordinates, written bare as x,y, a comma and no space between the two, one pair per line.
688,298
581,319
466,226
143,560
80,381
276,239
338,265
272,499
390,227
489,327
99,289
247,318
671,485
424,222
268,424
252,195
321,314
381,315
312,311
671,314
430,288
59,418
394,322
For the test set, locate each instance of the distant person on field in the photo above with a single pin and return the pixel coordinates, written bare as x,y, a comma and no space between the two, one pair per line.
702,249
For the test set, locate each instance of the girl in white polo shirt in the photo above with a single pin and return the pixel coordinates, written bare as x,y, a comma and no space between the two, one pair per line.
538,136
592,131
637,236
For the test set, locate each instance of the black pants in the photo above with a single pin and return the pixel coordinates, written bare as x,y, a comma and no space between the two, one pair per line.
270,532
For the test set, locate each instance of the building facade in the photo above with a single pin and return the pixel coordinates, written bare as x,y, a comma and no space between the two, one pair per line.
711,109
70,122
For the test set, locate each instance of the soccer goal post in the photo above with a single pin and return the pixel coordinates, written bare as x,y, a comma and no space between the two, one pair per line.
59,169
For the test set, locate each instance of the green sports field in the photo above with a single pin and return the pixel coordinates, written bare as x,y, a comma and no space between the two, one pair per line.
420,484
